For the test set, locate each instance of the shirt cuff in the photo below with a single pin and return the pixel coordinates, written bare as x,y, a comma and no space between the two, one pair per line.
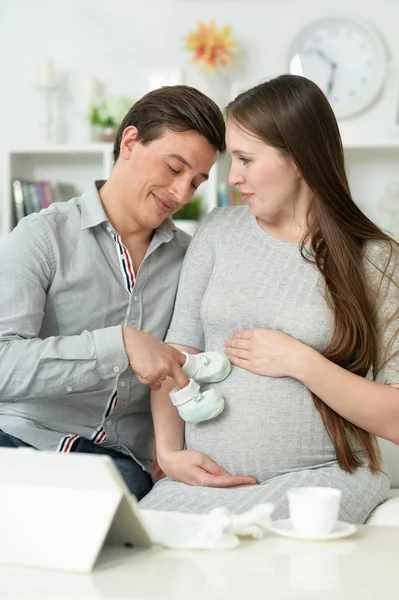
110,351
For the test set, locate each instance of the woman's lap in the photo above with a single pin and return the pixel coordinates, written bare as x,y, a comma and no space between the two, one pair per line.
361,493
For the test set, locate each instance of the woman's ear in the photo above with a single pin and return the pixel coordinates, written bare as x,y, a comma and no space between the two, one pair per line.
296,169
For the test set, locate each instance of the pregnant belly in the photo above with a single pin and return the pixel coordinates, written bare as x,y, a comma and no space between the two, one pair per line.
269,426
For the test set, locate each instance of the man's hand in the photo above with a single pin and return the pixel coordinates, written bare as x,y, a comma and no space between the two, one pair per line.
195,468
153,360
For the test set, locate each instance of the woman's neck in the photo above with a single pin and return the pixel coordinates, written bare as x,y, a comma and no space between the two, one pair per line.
292,224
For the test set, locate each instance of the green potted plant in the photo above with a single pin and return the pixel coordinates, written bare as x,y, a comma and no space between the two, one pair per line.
190,211
188,215
105,116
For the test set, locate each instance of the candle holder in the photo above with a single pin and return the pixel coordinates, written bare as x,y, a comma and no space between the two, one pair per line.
46,114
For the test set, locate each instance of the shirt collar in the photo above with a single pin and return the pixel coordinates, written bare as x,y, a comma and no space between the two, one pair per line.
92,209
166,230
93,213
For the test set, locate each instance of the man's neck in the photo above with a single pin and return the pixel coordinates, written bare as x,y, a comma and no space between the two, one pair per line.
128,228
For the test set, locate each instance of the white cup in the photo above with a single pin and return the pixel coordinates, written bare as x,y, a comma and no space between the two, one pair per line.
314,510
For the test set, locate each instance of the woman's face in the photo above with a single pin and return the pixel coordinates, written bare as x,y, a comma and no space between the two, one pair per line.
268,181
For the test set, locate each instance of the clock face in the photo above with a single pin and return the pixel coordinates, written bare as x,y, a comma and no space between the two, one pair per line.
347,60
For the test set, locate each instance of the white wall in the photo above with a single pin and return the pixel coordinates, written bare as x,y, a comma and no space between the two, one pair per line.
117,41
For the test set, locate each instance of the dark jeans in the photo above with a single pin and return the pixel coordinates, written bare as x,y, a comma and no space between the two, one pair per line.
138,481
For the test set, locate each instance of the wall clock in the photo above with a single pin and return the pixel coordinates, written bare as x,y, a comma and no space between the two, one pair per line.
347,59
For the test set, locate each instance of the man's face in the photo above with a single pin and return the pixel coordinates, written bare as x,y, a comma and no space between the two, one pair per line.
161,176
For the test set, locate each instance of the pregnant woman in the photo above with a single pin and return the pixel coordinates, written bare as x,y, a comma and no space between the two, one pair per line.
300,289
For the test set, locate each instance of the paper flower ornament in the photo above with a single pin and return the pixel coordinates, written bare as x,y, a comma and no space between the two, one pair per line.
212,48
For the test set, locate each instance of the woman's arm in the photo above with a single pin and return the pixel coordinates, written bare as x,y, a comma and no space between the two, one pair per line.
168,425
370,405
187,466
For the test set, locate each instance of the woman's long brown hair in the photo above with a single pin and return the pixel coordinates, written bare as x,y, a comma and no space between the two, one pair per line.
292,114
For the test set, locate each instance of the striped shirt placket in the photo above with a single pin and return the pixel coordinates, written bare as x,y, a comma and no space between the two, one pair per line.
125,263
67,442
100,435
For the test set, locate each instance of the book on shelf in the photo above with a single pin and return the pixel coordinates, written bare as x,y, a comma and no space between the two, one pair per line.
32,196
229,195
18,200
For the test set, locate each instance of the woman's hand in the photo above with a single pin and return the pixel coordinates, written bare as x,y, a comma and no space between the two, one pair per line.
266,352
195,468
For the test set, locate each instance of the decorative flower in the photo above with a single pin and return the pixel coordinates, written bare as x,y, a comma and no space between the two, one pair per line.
213,48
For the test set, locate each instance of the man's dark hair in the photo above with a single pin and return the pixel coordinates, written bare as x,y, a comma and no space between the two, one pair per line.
178,108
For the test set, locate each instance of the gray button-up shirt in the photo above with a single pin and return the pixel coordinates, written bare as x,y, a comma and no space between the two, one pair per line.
66,288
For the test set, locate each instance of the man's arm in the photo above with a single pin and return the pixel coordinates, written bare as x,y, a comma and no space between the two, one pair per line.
31,367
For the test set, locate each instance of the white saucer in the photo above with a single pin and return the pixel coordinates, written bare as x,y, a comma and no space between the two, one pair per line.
284,527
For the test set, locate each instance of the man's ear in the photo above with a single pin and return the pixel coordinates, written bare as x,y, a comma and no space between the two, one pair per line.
129,138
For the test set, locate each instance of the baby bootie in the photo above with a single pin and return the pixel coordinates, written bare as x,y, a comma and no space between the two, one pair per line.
207,367
195,406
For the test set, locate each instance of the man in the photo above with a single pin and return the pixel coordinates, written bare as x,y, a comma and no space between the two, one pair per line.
88,287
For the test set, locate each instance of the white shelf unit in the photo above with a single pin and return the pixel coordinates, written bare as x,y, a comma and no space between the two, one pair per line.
371,166
78,165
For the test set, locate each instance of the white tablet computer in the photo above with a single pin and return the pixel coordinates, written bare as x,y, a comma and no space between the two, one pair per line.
59,510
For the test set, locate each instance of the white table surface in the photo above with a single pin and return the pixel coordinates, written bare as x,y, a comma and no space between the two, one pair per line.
364,566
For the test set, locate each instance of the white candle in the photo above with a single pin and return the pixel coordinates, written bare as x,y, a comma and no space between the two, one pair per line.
92,89
46,76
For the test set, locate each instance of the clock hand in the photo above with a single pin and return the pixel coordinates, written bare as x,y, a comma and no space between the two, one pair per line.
331,81
333,69
325,57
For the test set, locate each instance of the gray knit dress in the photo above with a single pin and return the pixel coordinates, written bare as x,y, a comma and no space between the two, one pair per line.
237,277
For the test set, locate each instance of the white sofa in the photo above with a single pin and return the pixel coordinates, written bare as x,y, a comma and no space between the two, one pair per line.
388,512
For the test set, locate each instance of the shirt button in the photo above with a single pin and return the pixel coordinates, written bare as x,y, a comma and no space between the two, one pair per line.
135,298
110,422
109,229
69,389
123,384
116,369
